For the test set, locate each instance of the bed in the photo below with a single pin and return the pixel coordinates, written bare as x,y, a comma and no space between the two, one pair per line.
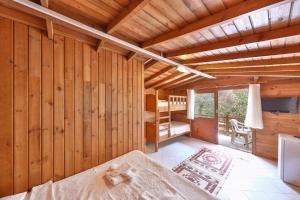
161,126
177,128
150,177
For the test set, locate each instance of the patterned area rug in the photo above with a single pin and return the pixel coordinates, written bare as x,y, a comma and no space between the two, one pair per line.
208,169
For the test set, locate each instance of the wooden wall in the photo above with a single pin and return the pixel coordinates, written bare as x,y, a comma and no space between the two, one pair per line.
64,107
266,140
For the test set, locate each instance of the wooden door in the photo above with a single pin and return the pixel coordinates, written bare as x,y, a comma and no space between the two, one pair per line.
205,124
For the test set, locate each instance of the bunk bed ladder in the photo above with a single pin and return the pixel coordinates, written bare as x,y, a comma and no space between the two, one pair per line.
169,113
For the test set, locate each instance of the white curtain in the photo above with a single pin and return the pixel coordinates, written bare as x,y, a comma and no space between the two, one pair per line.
190,104
254,111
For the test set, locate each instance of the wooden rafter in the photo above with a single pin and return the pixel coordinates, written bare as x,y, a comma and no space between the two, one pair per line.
150,64
230,82
40,11
176,81
253,63
258,37
49,23
186,82
160,72
261,74
131,56
256,64
129,11
164,80
244,8
249,54
256,69
236,71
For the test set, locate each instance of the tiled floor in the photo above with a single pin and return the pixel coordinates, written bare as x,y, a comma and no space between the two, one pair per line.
251,178
225,140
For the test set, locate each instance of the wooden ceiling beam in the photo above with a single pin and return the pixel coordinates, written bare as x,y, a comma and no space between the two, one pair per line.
248,54
253,63
45,13
177,81
186,82
149,64
230,14
286,68
293,74
133,7
164,70
49,23
131,55
164,80
257,37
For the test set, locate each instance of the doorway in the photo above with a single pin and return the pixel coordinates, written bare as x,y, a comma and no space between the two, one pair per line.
205,123
232,108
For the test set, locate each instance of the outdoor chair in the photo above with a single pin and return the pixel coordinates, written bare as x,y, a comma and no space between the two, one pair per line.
240,130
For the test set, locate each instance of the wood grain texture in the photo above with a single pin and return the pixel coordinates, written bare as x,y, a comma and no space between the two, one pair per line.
47,108
78,107
65,107
69,106
102,105
34,107
59,125
20,107
6,107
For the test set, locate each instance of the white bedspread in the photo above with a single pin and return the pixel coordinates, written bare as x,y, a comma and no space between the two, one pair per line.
152,180
176,128
165,103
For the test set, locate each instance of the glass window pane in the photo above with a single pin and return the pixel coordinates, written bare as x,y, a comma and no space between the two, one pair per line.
205,105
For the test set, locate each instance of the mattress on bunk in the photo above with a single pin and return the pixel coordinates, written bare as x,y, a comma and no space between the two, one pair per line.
176,128
150,178
164,103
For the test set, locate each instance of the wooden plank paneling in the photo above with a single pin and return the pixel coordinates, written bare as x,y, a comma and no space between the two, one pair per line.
47,109
69,106
59,132
6,107
120,107
20,107
114,104
34,107
130,95
108,105
78,107
87,115
94,92
102,97
134,104
125,105
139,104
65,107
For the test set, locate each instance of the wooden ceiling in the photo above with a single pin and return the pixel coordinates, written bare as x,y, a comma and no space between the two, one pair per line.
208,35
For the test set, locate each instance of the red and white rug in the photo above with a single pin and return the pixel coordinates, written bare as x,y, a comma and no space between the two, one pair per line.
208,169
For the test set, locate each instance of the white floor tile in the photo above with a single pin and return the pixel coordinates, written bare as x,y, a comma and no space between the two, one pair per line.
251,178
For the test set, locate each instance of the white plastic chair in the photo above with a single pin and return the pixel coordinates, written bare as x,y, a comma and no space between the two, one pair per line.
240,130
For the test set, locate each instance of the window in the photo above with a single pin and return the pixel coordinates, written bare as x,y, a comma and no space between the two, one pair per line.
205,105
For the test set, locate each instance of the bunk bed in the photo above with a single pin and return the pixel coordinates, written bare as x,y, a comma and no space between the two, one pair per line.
165,124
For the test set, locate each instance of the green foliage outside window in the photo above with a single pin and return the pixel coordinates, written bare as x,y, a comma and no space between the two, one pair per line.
204,105
233,104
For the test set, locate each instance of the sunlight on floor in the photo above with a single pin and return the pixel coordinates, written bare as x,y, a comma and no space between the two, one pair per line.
251,178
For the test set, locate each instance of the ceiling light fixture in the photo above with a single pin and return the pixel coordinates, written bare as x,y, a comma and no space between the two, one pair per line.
185,69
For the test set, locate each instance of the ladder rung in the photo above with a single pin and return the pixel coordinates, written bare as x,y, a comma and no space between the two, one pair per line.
164,117
164,123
